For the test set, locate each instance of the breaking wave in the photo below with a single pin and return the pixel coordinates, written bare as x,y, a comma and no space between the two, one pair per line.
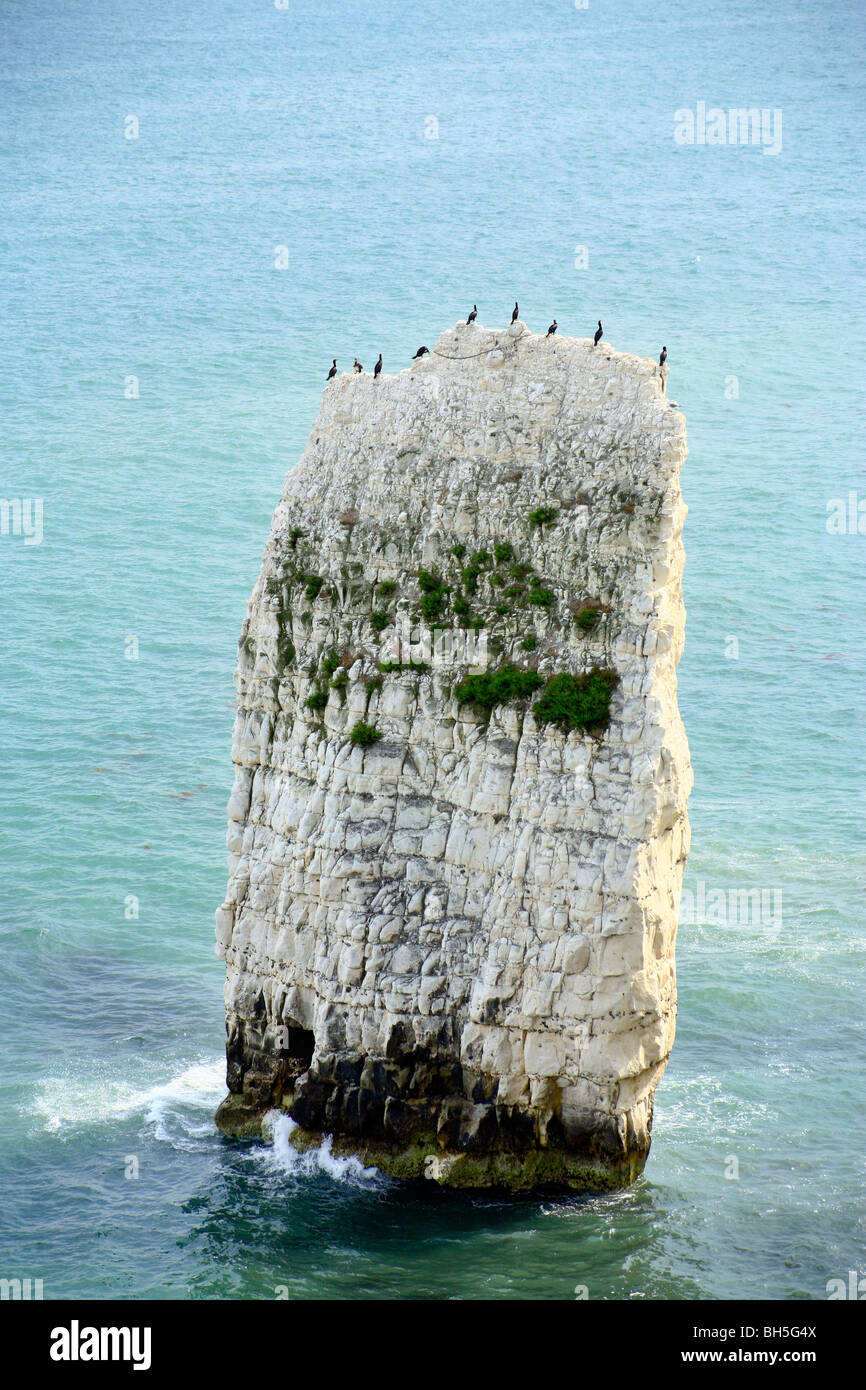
281,1156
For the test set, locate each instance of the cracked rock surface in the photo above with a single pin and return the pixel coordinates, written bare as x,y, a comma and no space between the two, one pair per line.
449,928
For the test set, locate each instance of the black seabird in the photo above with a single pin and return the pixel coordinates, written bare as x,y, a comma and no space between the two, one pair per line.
598,335
378,367
473,316
552,329
663,356
420,353
514,313
333,372
358,366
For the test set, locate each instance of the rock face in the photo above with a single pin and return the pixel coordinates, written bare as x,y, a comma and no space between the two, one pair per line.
450,922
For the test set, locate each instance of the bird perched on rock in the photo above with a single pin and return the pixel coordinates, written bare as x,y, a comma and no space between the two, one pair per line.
470,318
663,356
333,372
514,313
598,333
358,367
420,353
552,329
378,367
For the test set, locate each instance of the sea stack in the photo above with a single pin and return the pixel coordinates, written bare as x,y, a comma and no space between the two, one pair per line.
458,825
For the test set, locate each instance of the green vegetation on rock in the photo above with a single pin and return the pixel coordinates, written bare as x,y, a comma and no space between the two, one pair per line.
489,688
577,702
364,734
543,516
588,617
539,596
314,584
434,594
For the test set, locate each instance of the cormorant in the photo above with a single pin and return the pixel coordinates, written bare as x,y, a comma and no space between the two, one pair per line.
358,366
333,372
514,313
598,335
473,316
663,356
552,329
378,367
420,353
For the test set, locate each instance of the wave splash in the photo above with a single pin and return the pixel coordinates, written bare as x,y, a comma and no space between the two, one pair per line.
281,1156
180,1112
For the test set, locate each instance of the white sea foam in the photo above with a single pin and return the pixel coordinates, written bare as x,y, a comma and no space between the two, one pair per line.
281,1156
64,1103
180,1112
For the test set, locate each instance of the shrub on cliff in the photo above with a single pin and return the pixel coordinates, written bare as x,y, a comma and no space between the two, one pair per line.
470,577
314,583
542,598
543,516
364,734
588,617
489,688
434,594
577,702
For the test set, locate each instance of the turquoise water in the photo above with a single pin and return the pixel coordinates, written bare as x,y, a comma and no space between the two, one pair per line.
154,258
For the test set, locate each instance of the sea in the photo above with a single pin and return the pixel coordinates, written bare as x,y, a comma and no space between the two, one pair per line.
203,203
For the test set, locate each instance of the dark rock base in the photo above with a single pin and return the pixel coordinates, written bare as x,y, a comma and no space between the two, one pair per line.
419,1114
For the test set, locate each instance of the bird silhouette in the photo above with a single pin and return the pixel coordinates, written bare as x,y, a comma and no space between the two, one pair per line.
470,318
598,334
552,329
333,372
358,366
378,367
514,313
663,356
420,353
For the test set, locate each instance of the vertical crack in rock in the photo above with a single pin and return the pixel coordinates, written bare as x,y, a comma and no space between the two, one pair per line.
454,876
